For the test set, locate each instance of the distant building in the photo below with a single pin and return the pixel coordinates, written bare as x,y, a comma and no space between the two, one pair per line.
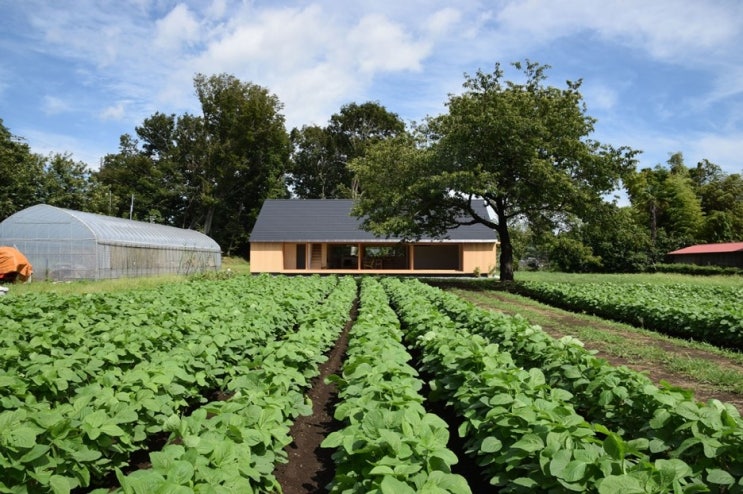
302,236
63,244
725,254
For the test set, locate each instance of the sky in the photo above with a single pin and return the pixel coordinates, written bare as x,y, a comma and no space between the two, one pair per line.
660,76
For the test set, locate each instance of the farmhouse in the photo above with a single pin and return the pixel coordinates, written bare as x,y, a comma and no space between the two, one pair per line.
724,254
63,244
302,236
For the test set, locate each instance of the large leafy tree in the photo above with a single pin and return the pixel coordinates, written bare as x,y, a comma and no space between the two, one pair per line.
522,147
612,241
315,171
320,157
665,202
721,196
22,173
247,150
134,183
69,184
210,172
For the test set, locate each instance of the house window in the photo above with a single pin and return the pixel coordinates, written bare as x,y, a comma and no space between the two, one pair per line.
343,256
385,257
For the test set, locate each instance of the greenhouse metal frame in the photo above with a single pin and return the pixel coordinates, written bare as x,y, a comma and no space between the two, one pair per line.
64,244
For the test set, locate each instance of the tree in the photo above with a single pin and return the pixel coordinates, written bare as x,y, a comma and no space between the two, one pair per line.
134,182
67,183
22,174
247,150
522,147
615,238
721,196
664,199
320,157
315,171
210,172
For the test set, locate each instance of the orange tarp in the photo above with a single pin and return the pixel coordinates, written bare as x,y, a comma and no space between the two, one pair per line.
14,265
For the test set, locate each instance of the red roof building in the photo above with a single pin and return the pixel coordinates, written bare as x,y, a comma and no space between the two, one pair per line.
724,254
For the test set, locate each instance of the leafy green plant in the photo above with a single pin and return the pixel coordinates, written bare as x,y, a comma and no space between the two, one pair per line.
389,443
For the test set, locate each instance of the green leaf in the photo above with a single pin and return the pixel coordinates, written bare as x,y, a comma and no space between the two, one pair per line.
491,445
22,437
559,461
574,471
381,470
390,485
529,443
614,445
62,485
719,477
620,484
333,440
112,430
180,472
672,470
86,455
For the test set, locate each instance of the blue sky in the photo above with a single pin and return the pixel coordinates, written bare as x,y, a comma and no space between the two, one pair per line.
660,76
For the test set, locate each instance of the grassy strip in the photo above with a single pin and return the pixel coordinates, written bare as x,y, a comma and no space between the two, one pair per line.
235,266
703,370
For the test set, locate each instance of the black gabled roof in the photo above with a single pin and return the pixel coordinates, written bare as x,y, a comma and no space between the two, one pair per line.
330,220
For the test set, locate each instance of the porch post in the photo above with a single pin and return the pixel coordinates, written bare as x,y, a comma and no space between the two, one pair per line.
411,248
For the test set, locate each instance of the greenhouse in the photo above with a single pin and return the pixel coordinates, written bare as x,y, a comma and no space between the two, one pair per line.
63,244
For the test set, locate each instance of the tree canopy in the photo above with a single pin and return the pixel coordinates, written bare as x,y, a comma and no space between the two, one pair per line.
320,157
523,148
210,172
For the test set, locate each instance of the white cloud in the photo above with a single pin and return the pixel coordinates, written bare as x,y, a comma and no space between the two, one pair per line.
378,44
599,96
681,31
441,21
52,105
114,112
175,29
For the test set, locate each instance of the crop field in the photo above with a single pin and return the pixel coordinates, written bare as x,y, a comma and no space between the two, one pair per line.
709,313
194,387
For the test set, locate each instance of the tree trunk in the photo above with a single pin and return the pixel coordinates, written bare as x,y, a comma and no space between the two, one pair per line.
506,251
208,220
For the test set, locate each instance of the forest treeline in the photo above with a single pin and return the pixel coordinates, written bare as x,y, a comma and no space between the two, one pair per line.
515,145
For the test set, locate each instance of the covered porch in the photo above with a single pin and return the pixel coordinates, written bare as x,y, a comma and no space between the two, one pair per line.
429,258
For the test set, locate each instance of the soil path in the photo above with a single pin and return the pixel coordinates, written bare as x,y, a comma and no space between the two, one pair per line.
657,371
310,467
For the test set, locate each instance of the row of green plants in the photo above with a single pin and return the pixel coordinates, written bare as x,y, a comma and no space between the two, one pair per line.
707,436
696,269
389,443
526,433
53,344
233,445
56,446
713,314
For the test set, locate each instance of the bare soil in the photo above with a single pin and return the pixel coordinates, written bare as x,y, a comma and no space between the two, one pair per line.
310,467
657,371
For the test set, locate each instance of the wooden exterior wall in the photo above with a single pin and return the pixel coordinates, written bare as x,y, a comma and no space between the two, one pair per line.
478,258
267,257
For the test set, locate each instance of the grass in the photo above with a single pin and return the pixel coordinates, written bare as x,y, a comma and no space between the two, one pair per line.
614,342
235,265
